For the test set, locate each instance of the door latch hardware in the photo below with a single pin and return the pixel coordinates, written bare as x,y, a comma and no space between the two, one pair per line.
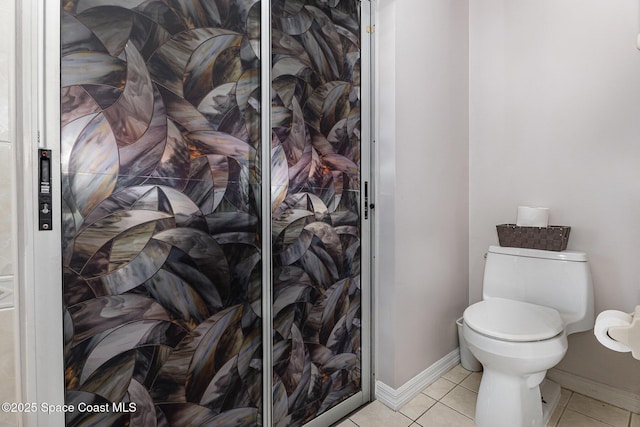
367,206
45,216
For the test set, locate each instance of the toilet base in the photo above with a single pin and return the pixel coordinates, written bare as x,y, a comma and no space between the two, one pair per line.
550,393
509,394
511,401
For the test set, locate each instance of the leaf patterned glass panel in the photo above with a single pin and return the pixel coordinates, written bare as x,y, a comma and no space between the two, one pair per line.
161,212
315,206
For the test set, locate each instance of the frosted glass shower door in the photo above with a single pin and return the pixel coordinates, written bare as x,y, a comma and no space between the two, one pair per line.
319,260
160,130
215,232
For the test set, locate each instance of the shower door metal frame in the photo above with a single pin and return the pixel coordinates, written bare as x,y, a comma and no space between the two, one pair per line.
39,267
39,298
367,201
366,394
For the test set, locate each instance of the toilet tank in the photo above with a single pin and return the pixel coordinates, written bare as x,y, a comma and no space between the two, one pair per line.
560,280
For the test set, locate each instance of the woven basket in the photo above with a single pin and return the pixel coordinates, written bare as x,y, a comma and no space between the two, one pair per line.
551,238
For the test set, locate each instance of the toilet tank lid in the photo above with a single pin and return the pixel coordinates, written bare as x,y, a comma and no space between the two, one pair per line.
537,253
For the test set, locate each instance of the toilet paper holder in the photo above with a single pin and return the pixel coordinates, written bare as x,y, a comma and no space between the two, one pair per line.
628,335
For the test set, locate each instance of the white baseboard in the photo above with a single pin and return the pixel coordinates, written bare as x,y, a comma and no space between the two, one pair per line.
611,395
396,398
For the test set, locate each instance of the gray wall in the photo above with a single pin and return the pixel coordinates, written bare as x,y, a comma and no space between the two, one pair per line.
422,247
554,121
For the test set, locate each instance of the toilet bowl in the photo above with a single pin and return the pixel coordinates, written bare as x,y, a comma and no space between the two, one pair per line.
532,300
514,364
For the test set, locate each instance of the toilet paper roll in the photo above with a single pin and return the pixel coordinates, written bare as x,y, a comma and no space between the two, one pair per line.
532,217
608,319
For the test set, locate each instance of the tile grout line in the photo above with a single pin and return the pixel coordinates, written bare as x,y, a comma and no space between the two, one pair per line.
456,384
427,410
563,412
575,393
409,418
586,415
467,388
564,409
454,409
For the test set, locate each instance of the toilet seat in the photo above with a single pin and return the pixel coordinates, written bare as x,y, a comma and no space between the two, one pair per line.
511,320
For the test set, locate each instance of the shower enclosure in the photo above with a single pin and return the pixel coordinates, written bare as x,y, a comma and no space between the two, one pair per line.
212,178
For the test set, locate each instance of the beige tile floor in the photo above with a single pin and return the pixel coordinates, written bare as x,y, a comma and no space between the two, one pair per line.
451,402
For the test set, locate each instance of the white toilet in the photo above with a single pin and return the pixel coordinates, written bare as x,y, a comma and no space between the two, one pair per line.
532,299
